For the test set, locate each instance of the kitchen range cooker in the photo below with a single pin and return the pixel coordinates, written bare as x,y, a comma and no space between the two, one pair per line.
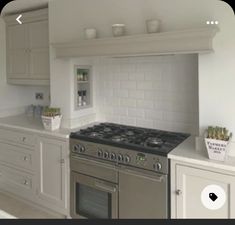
120,171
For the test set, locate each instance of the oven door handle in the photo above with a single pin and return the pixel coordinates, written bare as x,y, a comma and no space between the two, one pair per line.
105,187
155,177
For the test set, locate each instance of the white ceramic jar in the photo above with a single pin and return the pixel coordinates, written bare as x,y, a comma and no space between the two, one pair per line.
90,33
153,25
118,30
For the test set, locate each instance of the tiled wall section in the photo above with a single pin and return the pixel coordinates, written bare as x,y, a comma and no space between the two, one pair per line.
158,92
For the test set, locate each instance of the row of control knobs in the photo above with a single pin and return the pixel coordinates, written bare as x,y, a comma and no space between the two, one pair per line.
104,154
79,148
113,157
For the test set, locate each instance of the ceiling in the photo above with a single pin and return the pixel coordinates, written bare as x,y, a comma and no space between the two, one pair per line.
23,5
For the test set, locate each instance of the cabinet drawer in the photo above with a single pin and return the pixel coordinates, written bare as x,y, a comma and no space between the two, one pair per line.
17,137
16,156
16,179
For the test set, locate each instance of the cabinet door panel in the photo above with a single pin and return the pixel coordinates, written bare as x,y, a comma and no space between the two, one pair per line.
191,182
52,175
18,37
39,64
39,35
17,51
17,64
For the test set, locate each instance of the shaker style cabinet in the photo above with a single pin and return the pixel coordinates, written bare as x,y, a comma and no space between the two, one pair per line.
53,173
28,49
187,184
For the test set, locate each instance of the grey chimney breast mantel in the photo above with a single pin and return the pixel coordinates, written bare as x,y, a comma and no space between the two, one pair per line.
197,40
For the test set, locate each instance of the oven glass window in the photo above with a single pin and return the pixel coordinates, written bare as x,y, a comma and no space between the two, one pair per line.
92,203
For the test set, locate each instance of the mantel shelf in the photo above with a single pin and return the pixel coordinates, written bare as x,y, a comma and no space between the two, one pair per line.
187,41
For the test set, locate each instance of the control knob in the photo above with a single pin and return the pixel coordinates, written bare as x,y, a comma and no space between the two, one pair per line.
100,153
75,148
113,156
106,155
120,158
82,149
127,159
157,166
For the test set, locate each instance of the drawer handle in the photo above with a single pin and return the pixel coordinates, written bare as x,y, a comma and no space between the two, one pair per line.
26,182
25,158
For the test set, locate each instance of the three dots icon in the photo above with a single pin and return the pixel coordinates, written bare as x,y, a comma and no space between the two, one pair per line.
212,22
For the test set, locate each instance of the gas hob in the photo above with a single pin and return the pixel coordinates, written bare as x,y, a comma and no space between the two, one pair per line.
134,138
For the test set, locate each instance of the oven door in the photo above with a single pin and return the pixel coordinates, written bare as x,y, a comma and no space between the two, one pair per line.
93,198
142,194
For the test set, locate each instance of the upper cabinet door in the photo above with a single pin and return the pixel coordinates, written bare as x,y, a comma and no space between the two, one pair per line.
18,37
39,50
38,35
190,183
28,49
17,51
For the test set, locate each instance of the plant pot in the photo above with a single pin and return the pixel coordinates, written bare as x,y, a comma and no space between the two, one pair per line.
51,123
217,149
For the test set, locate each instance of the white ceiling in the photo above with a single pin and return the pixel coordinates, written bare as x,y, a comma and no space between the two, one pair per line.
23,5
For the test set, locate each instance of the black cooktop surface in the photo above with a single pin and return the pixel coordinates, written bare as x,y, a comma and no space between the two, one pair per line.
129,137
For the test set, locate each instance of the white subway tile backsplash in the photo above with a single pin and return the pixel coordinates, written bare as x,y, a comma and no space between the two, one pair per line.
109,101
145,85
121,93
121,76
157,75
118,111
136,113
136,94
127,102
136,76
158,92
128,121
128,84
145,104
154,114
145,123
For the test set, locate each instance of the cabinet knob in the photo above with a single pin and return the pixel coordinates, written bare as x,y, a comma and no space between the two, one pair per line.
23,139
178,192
26,182
25,158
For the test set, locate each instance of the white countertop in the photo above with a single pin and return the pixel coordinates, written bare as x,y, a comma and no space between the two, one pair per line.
186,152
31,124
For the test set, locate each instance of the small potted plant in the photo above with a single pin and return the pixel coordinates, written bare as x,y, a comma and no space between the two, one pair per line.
217,140
51,118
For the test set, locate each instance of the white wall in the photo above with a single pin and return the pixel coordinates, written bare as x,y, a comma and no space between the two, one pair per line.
154,92
216,70
13,99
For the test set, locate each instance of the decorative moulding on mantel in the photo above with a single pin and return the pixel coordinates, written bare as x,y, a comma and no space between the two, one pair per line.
198,40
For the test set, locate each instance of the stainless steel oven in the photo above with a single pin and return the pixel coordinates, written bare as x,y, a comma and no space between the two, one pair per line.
94,190
121,172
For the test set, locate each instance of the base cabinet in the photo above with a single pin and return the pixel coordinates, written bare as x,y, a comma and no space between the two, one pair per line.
35,168
52,173
187,185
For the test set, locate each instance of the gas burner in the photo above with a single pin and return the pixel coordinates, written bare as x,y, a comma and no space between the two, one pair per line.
94,134
107,129
154,142
118,138
130,133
